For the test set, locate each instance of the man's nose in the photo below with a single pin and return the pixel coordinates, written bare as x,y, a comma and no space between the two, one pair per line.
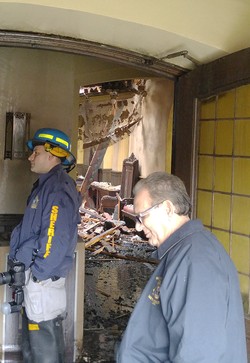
138,226
31,157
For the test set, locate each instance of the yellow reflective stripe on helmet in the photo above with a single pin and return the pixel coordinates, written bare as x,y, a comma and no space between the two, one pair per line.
48,136
33,327
62,141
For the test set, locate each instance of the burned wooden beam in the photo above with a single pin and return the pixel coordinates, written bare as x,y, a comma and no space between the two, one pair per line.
126,257
98,238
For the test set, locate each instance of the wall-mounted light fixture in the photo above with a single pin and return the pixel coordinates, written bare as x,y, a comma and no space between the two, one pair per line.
17,132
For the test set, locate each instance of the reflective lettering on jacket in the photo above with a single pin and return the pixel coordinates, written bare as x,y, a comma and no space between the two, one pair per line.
51,229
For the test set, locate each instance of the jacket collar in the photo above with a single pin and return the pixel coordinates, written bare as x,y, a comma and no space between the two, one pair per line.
177,237
44,177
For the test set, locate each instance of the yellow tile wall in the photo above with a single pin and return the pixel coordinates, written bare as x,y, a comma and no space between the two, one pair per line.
244,284
242,137
223,176
225,105
221,211
243,101
206,144
205,172
240,253
224,238
224,137
241,179
204,207
241,215
207,109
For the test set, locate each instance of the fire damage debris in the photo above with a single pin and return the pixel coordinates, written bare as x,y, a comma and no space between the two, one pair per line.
104,235
112,288
117,266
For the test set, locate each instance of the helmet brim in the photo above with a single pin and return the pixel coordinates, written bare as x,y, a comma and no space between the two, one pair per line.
66,161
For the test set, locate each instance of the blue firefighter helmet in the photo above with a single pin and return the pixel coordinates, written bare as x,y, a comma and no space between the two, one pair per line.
56,142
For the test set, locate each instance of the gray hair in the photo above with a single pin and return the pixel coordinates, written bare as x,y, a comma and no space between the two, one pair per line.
163,186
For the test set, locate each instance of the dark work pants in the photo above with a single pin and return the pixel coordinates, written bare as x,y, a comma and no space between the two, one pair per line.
42,342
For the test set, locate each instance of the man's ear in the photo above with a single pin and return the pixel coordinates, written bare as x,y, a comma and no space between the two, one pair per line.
169,207
54,158
51,157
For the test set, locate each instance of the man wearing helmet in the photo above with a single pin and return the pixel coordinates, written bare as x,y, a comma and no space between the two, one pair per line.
44,242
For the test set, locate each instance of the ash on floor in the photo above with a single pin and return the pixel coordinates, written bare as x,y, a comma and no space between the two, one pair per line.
112,288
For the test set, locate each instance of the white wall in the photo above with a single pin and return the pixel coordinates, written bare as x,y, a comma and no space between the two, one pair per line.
41,83
45,84
149,141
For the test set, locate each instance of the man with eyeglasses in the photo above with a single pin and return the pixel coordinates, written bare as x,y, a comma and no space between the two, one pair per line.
191,308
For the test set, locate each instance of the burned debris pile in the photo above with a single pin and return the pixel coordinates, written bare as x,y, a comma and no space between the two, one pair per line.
108,237
118,264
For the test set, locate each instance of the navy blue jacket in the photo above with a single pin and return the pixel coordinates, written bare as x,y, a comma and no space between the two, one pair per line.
191,308
46,238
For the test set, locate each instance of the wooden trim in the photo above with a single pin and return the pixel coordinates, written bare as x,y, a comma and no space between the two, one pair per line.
125,57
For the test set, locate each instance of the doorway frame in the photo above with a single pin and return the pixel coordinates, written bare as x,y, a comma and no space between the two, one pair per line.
105,52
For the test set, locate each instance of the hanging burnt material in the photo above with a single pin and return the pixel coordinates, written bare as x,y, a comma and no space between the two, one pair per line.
110,112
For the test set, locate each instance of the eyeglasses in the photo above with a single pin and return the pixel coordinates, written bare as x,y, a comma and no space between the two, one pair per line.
139,217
